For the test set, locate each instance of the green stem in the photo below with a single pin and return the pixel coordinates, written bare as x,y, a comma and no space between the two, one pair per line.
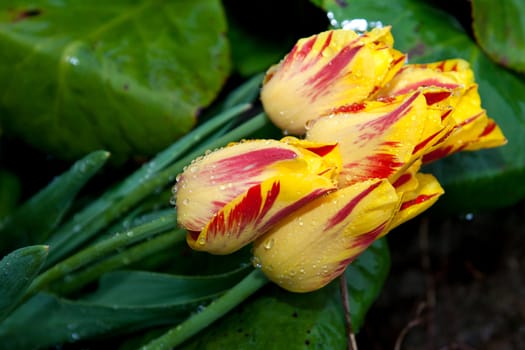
109,207
219,307
100,249
127,257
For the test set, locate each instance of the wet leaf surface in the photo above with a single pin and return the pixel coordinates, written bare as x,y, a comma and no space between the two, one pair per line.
125,301
130,77
17,271
500,31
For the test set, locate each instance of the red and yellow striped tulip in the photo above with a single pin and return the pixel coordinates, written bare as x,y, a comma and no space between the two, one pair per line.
230,197
311,206
330,69
310,248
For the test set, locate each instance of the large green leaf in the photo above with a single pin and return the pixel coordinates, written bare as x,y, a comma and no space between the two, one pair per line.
500,30
479,180
125,301
17,271
126,76
277,319
33,221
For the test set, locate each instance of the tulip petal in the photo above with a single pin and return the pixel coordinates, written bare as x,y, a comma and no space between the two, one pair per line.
315,244
448,75
449,83
257,210
378,139
418,200
329,69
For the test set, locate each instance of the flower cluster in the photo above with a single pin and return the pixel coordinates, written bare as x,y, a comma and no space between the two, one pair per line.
310,206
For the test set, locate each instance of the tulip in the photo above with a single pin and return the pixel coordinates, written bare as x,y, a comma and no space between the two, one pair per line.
449,85
330,69
369,121
315,245
229,197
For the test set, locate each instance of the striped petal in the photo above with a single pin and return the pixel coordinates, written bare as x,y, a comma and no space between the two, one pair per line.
472,129
257,210
238,190
378,139
330,69
418,200
449,84
312,247
447,75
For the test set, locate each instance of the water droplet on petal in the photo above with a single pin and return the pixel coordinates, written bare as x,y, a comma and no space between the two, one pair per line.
186,201
269,244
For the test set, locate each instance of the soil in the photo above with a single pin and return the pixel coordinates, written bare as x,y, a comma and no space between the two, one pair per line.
455,283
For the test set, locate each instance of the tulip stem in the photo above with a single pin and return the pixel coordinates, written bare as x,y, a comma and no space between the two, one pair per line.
216,309
343,288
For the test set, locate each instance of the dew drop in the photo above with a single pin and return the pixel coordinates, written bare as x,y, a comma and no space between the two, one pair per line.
201,241
256,261
309,124
269,244
173,200
186,201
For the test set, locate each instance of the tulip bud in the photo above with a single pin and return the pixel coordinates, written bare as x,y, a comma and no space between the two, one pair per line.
333,68
315,244
229,197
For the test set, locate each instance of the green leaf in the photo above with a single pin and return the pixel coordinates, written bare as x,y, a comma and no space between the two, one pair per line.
277,319
17,271
9,193
33,221
125,302
252,54
500,31
479,180
128,77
